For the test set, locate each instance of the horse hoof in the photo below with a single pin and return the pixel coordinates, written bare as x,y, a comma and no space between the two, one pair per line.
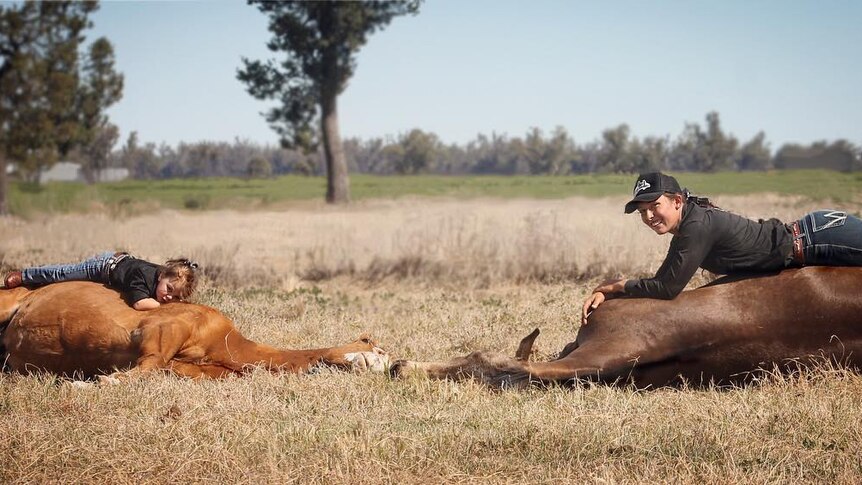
368,361
108,380
79,385
403,368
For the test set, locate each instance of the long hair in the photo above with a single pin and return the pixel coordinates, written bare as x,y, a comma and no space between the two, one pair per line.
701,201
182,271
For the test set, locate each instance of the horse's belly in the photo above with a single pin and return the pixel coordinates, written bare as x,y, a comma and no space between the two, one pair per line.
72,351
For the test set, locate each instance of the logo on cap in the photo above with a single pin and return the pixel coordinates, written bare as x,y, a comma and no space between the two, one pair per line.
641,185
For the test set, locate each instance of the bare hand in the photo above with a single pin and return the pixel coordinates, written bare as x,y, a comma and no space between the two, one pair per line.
600,294
591,304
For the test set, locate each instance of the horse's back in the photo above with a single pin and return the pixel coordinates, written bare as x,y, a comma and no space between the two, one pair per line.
793,295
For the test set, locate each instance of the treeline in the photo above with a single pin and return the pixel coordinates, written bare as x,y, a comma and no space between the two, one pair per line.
697,148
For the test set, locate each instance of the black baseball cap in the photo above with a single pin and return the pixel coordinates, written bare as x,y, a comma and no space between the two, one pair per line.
649,187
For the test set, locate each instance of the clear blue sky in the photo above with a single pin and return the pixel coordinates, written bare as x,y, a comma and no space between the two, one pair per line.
461,67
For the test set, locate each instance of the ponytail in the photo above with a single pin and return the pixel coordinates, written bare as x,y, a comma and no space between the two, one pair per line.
700,201
182,262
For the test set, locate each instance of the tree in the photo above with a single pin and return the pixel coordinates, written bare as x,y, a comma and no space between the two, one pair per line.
95,155
705,151
364,155
549,156
17,43
320,40
44,105
649,155
495,155
714,149
754,155
682,154
199,159
259,167
142,162
418,151
614,150
102,86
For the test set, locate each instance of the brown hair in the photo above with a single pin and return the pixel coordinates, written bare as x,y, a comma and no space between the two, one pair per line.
701,201
183,271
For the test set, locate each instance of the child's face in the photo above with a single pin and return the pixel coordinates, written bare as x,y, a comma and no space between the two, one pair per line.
167,290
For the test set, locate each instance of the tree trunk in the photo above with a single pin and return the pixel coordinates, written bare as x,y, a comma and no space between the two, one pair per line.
3,185
337,181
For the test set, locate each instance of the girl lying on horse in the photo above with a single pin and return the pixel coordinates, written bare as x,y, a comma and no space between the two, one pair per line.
144,285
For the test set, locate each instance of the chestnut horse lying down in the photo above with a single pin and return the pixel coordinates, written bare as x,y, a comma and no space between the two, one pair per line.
83,329
723,332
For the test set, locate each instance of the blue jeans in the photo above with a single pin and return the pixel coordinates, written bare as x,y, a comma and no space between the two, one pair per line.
88,270
831,238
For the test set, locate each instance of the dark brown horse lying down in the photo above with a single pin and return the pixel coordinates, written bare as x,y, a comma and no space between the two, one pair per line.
718,333
84,329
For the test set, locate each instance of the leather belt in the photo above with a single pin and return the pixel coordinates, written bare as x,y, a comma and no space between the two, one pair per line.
798,253
112,263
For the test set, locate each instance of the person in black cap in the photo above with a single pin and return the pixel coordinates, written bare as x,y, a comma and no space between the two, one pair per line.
707,237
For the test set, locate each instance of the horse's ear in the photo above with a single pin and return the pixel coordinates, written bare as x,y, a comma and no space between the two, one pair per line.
526,346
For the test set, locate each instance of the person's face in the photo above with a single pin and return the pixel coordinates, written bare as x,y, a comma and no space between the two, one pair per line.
663,214
167,291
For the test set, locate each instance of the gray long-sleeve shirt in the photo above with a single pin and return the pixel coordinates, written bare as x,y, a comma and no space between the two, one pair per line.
717,241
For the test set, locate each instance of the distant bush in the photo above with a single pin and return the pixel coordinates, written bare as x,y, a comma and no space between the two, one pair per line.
196,202
259,168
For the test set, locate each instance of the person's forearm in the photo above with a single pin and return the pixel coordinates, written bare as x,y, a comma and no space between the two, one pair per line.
619,291
611,287
652,288
146,304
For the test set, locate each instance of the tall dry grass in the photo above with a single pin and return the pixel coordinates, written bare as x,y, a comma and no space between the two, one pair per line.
480,243
475,275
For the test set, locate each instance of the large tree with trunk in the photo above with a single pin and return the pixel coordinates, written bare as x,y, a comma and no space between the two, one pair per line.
320,41
50,101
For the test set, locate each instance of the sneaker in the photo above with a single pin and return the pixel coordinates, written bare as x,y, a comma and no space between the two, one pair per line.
13,280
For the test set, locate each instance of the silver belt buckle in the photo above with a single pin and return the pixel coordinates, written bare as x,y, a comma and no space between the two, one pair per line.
113,262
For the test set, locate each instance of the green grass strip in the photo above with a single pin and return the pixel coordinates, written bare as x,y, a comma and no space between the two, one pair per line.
217,193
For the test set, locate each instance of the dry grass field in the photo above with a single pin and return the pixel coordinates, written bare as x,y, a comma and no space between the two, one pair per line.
429,278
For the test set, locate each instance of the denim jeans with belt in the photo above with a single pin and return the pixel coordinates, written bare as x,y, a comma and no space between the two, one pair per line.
88,270
831,238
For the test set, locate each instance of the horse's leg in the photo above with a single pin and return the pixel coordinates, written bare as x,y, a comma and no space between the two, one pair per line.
493,369
198,371
362,354
181,369
588,363
159,342
235,352
596,361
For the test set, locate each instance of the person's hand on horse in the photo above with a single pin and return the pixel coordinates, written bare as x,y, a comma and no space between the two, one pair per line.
600,294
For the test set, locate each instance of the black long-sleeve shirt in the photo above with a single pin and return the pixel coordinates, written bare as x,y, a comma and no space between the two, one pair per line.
135,278
717,241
